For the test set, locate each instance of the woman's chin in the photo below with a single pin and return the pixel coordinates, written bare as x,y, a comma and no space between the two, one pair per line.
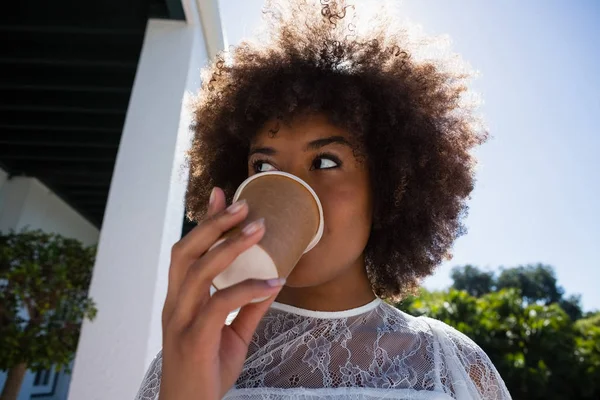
306,274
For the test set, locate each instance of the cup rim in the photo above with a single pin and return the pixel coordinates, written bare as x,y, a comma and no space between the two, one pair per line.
321,227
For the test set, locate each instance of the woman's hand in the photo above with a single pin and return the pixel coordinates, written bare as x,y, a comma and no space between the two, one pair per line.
203,357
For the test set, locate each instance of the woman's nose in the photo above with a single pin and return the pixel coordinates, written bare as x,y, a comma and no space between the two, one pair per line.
299,172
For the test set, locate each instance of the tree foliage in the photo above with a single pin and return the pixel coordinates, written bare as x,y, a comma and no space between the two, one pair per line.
472,280
536,283
539,350
588,353
44,281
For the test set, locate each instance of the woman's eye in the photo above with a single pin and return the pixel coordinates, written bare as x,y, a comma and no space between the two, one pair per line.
261,166
324,163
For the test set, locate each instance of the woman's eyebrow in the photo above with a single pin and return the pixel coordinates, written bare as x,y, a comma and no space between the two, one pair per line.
268,151
319,143
314,145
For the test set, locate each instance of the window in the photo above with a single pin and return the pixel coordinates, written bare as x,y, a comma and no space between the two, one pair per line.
42,378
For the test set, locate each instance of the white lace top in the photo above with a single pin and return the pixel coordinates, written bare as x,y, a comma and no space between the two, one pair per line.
372,352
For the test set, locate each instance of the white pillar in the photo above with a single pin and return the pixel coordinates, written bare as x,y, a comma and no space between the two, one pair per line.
143,217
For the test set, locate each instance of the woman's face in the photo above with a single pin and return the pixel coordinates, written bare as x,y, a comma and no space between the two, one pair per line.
320,153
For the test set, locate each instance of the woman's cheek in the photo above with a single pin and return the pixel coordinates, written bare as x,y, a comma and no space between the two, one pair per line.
343,202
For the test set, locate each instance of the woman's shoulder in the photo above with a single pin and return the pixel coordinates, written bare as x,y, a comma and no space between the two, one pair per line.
398,331
446,340
453,341
471,372
402,321
446,343
428,326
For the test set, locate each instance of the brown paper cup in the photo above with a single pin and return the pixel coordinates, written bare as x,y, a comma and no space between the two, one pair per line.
294,225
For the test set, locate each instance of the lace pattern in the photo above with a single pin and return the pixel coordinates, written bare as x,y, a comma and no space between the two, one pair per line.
379,352
151,384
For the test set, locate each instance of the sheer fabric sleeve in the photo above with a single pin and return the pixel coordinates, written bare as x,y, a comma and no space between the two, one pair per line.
150,386
466,371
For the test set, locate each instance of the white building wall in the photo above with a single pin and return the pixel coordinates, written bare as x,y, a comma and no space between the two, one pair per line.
57,387
26,203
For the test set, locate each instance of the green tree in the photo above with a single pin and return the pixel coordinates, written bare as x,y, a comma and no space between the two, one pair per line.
591,318
535,282
588,353
572,306
538,350
44,281
472,280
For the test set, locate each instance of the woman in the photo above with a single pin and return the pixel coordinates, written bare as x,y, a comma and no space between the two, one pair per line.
385,141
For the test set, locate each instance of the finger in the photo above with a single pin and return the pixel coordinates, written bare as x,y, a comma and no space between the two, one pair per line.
220,221
216,202
199,240
195,288
225,301
245,323
218,259
203,236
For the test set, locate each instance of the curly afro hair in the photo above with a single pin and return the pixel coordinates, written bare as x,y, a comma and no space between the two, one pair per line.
415,129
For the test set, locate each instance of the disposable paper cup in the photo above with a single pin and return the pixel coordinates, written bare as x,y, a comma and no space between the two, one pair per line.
294,225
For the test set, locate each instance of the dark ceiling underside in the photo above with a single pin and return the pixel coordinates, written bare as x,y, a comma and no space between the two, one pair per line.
66,73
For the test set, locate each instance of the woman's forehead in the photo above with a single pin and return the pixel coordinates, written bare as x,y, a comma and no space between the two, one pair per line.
304,128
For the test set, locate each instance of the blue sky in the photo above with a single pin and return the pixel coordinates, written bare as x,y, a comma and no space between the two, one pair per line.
536,198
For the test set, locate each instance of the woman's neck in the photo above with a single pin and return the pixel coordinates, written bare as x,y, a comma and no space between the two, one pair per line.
351,289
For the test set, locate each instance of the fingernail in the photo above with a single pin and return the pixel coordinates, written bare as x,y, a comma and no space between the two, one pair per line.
236,207
253,227
213,195
277,282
